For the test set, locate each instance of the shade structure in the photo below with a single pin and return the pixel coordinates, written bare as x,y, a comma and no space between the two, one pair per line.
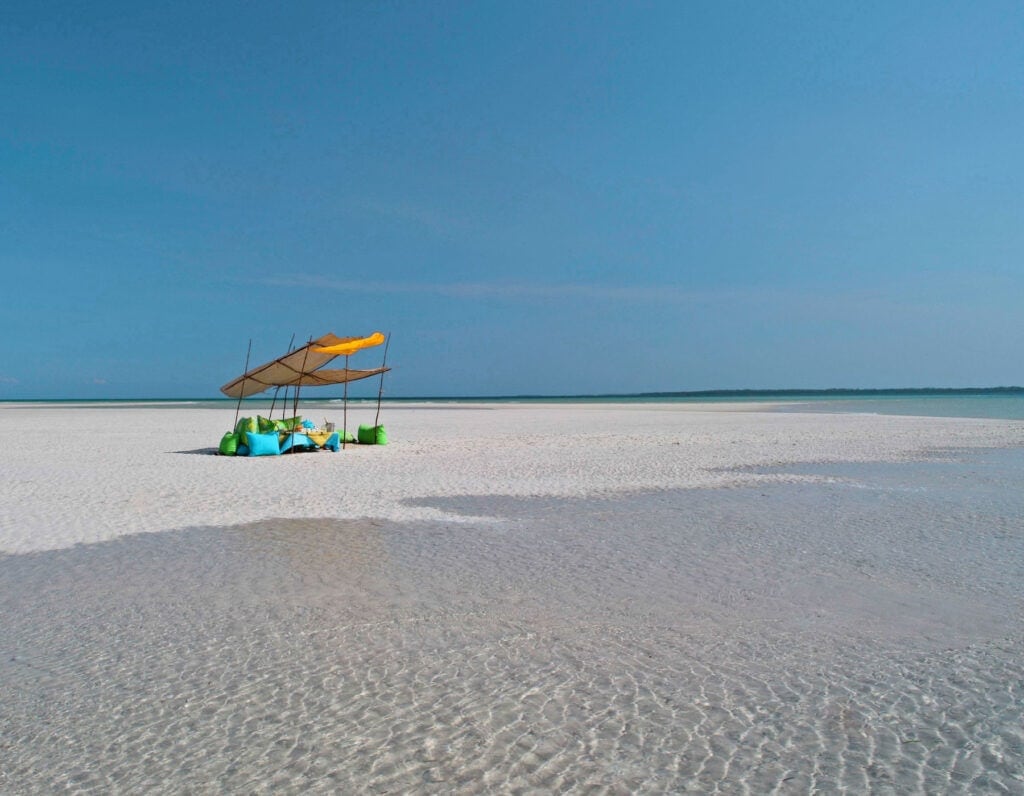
301,367
351,345
321,378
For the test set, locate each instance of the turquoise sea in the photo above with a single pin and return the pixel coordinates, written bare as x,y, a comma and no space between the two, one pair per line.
998,406
989,404
998,403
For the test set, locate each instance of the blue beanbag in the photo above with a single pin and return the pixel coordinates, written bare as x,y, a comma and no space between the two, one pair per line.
297,441
333,442
263,444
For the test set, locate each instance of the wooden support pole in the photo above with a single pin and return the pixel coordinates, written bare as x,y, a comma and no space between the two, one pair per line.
380,389
344,410
295,404
238,406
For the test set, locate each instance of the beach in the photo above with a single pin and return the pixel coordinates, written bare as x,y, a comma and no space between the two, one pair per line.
511,597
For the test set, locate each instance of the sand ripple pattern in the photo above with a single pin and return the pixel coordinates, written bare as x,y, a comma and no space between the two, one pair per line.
859,633
504,708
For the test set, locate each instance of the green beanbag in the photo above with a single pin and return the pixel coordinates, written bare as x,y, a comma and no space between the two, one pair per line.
372,435
265,425
245,425
229,444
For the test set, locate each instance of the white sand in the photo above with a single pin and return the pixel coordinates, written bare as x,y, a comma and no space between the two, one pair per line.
84,474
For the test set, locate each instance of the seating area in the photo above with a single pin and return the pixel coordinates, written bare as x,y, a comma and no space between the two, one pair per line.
301,367
261,436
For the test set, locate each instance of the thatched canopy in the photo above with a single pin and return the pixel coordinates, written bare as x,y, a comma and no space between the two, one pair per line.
303,366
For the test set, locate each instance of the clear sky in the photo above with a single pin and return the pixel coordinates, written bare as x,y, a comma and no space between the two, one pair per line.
532,197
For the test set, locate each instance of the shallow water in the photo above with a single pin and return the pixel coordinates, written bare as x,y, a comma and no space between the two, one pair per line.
859,632
992,405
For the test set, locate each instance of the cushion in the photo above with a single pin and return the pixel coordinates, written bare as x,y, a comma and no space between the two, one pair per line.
244,425
229,444
266,424
263,444
243,449
372,435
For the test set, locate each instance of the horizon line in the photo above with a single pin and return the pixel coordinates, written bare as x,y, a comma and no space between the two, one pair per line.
712,393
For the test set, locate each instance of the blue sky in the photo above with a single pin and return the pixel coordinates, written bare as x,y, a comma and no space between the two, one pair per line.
531,197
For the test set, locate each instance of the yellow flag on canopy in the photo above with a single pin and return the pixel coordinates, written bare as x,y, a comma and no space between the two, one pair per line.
351,345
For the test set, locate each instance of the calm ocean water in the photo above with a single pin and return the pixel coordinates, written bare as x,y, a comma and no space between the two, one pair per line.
1009,407
996,404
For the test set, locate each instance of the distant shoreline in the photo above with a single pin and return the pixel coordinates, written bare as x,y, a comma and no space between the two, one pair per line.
746,394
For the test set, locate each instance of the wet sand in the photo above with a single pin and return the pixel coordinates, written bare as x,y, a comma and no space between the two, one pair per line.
800,626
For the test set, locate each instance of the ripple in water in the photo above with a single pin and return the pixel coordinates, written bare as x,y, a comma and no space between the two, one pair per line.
862,634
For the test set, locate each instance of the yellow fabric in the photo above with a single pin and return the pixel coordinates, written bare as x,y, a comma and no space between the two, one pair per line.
351,345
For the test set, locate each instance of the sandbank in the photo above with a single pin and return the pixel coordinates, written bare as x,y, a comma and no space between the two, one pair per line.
90,473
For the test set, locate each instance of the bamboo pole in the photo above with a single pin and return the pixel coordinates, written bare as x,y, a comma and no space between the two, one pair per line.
380,389
284,403
295,403
238,406
344,410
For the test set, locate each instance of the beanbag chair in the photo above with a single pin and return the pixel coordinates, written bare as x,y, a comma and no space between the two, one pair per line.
245,425
372,435
263,444
229,444
269,424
